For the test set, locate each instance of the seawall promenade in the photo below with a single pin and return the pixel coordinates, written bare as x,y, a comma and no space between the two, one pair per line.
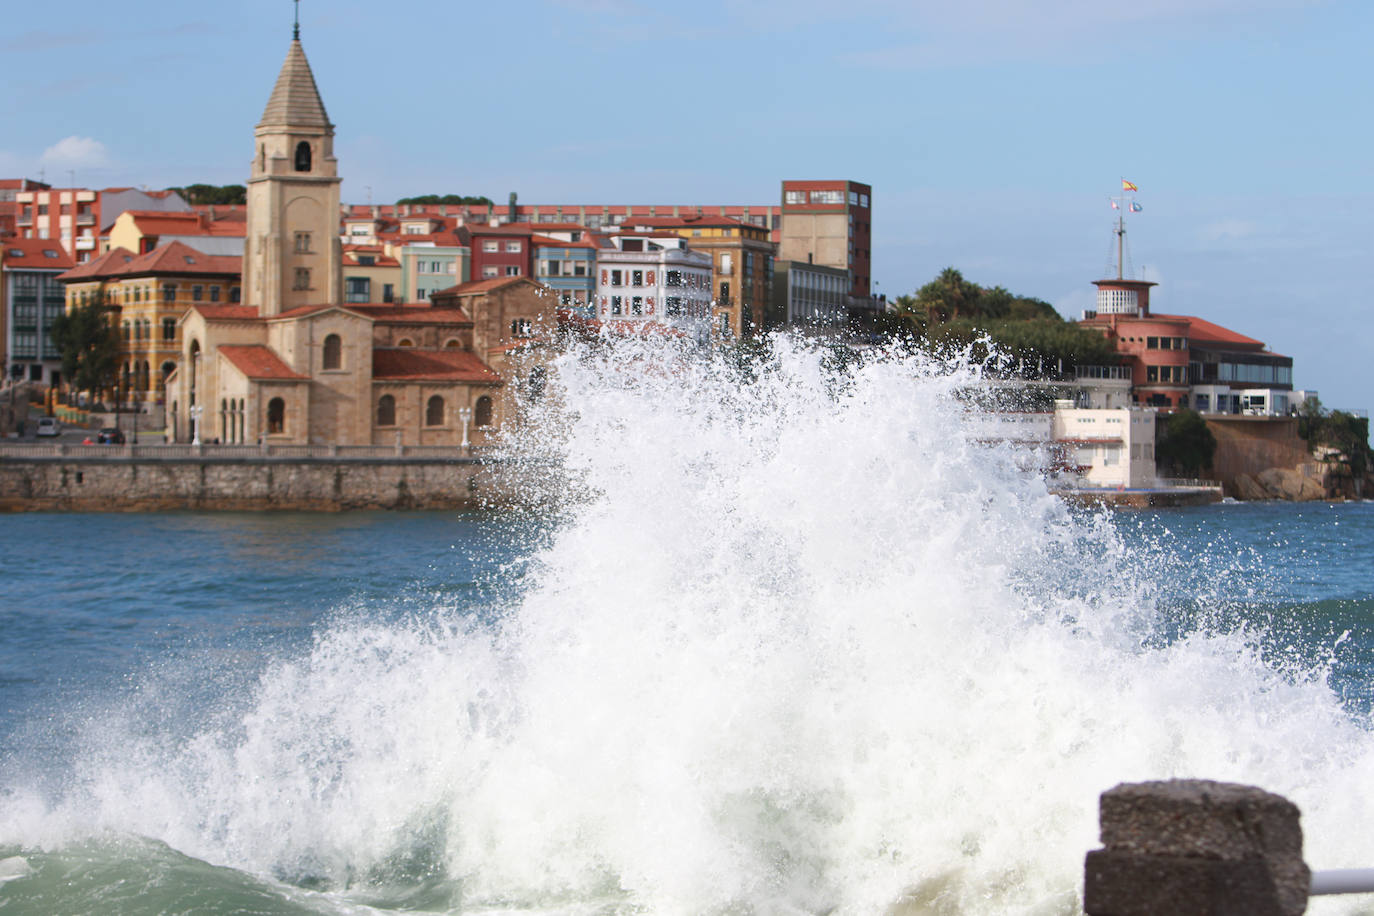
115,478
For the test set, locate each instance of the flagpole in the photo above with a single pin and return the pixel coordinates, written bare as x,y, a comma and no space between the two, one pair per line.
1121,233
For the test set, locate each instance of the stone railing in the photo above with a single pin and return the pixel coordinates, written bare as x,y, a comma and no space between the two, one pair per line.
1197,482
47,451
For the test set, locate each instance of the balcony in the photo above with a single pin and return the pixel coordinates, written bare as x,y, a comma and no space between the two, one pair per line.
85,219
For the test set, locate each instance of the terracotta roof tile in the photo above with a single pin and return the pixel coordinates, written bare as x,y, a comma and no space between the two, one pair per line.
227,312
303,310
1202,329
159,222
480,286
108,264
448,365
180,258
35,254
258,362
413,314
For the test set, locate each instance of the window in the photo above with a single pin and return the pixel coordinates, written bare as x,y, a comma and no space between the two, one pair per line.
434,411
481,414
405,342
123,326
357,289
637,305
302,243
513,246
674,278
333,352
386,410
491,245
197,292
302,278
551,268
579,269
520,327
367,260
169,292
169,329
853,198
636,278
388,292
276,416
303,156
827,197
615,305
513,270
490,271
616,278
795,197
214,293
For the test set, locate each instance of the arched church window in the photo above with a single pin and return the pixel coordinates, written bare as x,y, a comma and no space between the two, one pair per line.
303,156
481,415
276,416
386,411
333,352
434,411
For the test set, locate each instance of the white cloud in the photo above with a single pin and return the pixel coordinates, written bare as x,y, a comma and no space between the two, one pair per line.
76,152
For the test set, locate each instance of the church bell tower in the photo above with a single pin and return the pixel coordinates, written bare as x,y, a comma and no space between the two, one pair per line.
292,255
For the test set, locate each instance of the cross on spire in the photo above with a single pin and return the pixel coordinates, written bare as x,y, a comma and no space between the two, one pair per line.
296,31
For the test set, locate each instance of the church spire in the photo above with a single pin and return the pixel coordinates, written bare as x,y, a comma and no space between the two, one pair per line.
295,100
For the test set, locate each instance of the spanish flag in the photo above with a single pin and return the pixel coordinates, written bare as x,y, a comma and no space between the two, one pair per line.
1127,186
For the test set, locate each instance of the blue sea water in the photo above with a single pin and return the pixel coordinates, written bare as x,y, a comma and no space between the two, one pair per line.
176,615
802,644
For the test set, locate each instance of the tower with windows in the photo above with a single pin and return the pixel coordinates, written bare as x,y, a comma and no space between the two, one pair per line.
292,255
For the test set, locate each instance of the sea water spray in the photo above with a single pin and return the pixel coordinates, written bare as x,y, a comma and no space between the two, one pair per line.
799,642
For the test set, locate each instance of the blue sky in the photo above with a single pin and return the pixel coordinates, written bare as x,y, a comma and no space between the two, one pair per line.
993,132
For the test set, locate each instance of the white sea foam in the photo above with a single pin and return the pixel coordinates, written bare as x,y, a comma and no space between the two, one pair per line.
800,645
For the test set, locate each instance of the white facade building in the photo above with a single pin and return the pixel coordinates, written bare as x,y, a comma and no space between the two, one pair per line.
1109,448
654,278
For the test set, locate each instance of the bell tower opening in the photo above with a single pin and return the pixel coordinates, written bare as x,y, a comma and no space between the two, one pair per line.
303,156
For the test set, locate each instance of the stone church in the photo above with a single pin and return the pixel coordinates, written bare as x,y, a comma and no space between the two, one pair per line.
292,365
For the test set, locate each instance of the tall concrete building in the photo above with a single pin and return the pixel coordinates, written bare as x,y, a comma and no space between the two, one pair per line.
829,223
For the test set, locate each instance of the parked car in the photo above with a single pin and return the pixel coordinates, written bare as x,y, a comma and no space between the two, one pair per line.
48,426
112,435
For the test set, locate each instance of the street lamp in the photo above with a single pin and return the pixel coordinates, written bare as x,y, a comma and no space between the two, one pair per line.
465,414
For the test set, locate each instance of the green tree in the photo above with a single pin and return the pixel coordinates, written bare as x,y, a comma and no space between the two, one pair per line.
90,347
213,194
1186,445
949,297
452,199
1346,434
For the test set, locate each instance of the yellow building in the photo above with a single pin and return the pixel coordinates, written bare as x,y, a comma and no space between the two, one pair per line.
741,265
218,231
147,295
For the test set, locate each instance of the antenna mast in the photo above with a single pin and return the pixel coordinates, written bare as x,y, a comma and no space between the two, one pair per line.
1120,204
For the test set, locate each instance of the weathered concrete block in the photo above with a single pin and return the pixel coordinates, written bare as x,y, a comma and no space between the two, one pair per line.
1128,884
1186,824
